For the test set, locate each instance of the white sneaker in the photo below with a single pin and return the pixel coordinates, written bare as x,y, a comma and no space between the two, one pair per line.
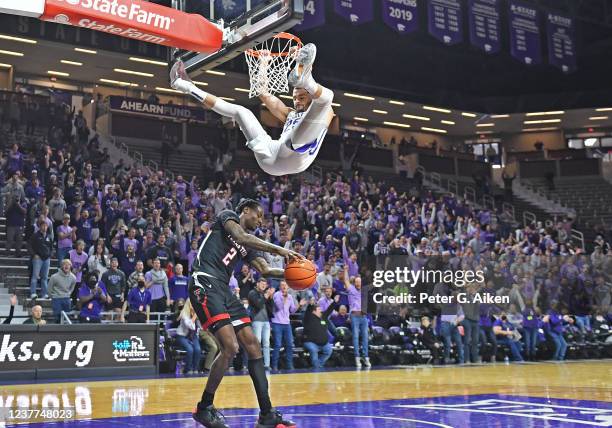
358,362
179,79
366,362
33,296
303,66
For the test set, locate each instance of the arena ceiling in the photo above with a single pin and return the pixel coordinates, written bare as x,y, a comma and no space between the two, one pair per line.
400,76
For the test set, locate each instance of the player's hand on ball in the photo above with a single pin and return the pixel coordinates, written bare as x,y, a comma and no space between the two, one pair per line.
291,255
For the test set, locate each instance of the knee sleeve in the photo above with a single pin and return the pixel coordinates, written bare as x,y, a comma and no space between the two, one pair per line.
247,121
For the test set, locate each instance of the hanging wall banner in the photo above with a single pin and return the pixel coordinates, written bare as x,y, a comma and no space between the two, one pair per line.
401,15
314,15
355,11
525,43
561,42
485,25
445,21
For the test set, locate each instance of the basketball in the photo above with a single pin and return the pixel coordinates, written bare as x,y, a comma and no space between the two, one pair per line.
300,275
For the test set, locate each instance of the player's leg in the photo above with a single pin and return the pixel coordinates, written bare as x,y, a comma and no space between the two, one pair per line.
208,302
257,138
268,416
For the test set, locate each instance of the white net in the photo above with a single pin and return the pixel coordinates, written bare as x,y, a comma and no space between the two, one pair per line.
270,63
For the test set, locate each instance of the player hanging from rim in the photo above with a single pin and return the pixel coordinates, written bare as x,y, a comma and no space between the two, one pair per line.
305,124
219,310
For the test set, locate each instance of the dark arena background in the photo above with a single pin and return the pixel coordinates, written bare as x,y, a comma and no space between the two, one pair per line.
469,138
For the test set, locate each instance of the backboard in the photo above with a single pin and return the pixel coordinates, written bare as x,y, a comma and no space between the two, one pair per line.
245,23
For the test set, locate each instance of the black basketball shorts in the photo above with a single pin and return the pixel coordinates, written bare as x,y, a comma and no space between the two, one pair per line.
214,303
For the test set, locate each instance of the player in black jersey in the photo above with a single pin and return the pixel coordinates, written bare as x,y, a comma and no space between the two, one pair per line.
221,312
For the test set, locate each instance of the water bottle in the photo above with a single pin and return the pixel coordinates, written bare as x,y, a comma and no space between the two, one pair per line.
506,360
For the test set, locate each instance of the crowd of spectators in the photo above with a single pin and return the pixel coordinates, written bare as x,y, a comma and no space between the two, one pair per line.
126,238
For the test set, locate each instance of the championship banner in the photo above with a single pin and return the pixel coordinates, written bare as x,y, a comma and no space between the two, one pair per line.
561,42
485,25
314,15
401,15
135,19
446,21
355,11
169,111
525,44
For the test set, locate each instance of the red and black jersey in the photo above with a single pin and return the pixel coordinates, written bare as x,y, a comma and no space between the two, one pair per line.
219,252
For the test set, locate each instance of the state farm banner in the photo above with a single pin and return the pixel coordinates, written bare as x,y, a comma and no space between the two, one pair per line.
314,15
485,25
139,20
169,111
445,21
401,15
525,39
561,41
355,11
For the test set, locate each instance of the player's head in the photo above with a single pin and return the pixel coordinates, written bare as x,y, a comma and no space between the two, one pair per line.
301,99
250,212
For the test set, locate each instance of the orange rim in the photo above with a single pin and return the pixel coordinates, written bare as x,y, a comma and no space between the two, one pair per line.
283,35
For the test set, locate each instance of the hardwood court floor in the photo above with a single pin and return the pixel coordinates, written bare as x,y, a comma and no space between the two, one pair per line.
542,394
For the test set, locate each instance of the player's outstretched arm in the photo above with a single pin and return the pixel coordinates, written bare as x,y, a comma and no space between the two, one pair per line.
251,241
262,266
278,108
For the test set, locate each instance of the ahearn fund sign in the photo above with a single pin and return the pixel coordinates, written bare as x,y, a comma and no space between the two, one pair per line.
170,111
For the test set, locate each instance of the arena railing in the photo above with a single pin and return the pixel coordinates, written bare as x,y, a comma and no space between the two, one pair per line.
528,218
469,194
453,187
488,202
510,208
138,158
576,235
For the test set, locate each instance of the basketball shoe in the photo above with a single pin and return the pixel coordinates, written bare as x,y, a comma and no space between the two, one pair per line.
302,72
210,417
273,419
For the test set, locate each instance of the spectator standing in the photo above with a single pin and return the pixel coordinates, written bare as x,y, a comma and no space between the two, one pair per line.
92,297
246,281
530,330
451,317
66,236
16,210
115,282
284,306
157,283
41,246
553,323
61,286
471,327
178,284
261,308
139,301
430,340
359,320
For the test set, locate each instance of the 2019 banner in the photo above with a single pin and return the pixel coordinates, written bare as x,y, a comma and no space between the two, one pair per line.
401,15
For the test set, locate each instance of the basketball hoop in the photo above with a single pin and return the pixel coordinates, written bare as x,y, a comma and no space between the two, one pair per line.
270,62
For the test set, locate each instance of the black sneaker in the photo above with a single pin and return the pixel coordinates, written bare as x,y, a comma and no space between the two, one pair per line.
273,419
210,417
